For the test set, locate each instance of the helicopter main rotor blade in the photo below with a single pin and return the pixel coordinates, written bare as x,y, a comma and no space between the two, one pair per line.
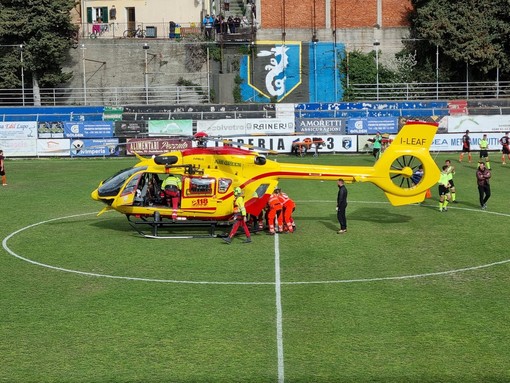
229,142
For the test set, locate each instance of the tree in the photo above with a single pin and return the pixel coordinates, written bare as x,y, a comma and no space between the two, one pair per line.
45,30
360,68
472,34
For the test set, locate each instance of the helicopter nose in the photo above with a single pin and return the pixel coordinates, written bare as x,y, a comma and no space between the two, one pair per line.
95,195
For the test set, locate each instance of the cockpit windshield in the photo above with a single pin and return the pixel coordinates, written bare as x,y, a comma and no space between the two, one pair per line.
111,187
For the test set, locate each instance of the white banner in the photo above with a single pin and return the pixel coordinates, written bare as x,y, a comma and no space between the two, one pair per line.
283,144
284,110
457,124
19,148
241,127
453,142
18,130
54,147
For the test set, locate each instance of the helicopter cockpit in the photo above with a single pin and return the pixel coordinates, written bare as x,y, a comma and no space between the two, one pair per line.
112,186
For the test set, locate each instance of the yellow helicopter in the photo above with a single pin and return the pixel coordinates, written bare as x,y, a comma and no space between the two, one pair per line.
208,176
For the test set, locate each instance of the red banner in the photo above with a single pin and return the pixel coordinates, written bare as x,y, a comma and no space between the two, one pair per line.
150,146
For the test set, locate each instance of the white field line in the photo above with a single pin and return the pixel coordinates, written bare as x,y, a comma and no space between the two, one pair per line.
279,311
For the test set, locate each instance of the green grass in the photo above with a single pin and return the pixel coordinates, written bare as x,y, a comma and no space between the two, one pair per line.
347,316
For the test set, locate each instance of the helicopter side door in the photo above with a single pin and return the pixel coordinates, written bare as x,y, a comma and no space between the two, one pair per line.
201,194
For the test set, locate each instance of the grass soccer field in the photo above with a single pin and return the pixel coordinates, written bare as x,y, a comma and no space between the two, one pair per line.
409,294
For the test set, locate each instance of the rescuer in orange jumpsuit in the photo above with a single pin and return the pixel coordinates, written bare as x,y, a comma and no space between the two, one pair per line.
275,212
288,208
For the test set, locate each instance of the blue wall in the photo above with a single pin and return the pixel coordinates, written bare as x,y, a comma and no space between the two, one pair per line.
51,114
310,74
372,109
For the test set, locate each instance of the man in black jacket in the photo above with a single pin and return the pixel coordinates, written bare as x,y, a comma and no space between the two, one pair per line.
341,205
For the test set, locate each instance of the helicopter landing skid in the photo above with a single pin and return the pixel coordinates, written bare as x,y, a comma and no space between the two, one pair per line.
177,229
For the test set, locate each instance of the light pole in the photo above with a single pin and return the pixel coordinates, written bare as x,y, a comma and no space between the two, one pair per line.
437,72
22,75
84,74
146,80
376,47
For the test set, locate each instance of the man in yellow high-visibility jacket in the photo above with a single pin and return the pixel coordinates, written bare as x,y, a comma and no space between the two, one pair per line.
239,216
172,188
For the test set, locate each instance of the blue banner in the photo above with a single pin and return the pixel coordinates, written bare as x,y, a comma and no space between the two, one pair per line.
95,147
320,125
372,125
88,129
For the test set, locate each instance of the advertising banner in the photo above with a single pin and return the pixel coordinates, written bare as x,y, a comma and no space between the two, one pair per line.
130,128
453,142
50,130
54,147
155,146
284,110
88,147
18,130
19,147
263,126
170,127
227,127
372,125
284,144
113,113
320,125
457,124
88,129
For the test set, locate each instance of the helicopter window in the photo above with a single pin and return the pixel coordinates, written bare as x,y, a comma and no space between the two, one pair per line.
132,184
223,185
261,190
201,186
112,185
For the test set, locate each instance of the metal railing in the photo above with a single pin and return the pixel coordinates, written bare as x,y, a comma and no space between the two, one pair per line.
151,30
184,31
117,96
430,91
161,95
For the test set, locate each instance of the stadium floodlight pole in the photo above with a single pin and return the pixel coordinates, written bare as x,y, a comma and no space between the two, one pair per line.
467,79
84,74
22,75
437,71
208,76
497,82
376,46
146,78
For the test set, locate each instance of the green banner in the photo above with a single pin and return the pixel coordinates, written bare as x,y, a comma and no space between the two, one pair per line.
113,113
170,127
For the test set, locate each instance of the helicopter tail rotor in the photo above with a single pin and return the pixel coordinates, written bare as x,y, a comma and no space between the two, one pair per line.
406,170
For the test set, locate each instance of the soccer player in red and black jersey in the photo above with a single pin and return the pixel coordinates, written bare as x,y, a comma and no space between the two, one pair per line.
466,146
505,150
2,168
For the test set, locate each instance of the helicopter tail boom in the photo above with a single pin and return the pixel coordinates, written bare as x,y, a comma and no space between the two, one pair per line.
395,172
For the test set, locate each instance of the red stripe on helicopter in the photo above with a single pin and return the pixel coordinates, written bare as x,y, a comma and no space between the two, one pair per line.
224,150
309,174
